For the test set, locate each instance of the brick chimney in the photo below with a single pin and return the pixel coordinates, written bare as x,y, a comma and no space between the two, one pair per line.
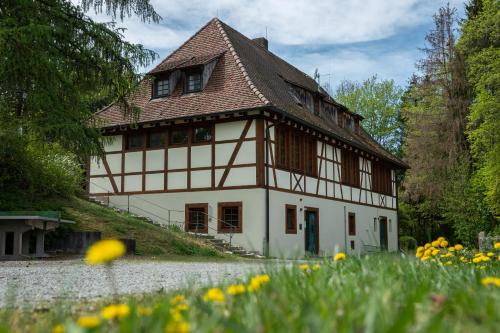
262,42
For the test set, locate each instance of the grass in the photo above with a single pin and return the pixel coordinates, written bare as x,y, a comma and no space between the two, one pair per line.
151,240
379,293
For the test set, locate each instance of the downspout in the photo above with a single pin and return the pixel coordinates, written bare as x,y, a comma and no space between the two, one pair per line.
397,215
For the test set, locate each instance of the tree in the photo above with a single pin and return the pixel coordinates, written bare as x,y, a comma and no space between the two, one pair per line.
480,44
57,66
379,103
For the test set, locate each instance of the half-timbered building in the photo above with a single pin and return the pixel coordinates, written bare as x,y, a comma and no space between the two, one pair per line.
234,140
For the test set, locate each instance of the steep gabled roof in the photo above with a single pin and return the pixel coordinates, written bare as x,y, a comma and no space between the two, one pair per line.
246,76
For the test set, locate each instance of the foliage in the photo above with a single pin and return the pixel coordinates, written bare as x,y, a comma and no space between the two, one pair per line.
480,44
57,66
379,103
369,294
30,171
407,243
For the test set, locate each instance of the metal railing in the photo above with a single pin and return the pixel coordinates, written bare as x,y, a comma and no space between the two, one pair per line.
168,220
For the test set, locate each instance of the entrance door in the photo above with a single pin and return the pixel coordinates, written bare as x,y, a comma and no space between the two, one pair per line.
383,233
312,231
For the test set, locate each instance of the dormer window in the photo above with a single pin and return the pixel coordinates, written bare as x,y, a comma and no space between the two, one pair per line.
193,80
161,87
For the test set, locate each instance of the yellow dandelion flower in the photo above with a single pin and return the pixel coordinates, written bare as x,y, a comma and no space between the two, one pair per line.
485,259
420,249
214,295
316,267
476,260
480,254
490,254
419,254
144,311
236,289
180,326
491,281
115,311
435,252
497,245
181,307
443,243
424,258
451,249
104,251
340,256
482,267
427,245
177,299
448,263
59,328
304,267
440,239
459,247
498,258
435,243
89,321
257,281
427,252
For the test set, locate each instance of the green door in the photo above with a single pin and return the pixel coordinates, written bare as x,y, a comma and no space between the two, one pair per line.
311,232
383,233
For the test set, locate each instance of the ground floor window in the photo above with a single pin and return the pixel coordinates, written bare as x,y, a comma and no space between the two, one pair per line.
196,217
352,224
290,219
230,217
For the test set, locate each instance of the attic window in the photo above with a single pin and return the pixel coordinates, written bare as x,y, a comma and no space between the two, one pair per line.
193,80
161,87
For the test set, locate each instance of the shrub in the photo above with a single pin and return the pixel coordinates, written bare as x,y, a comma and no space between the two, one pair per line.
407,243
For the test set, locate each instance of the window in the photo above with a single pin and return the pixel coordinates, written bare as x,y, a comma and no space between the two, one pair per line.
352,245
290,219
310,160
196,217
281,145
230,217
135,141
202,134
350,168
193,81
156,140
352,224
179,137
161,87
381,179
296,151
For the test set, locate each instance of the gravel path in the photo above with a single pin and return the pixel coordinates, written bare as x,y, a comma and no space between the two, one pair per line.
34,282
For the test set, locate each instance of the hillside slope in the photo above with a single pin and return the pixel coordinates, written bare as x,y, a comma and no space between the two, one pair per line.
151,240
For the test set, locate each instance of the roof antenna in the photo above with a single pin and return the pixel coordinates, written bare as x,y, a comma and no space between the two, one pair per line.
266,31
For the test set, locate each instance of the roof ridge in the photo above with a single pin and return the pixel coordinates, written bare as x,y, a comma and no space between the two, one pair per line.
182,45
239,63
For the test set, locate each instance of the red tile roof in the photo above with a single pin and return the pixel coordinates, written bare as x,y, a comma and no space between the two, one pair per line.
246,76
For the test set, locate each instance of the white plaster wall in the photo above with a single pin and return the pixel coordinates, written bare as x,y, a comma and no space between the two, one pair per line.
247,153
253,206
133,161
96,167
114,162
100,185
155,160
232,130
177,180
114,144
177,158
201,156
133,183
241,177
155,181
332,225
201,178
223,153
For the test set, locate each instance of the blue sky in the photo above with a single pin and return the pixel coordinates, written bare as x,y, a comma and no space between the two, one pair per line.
344,39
